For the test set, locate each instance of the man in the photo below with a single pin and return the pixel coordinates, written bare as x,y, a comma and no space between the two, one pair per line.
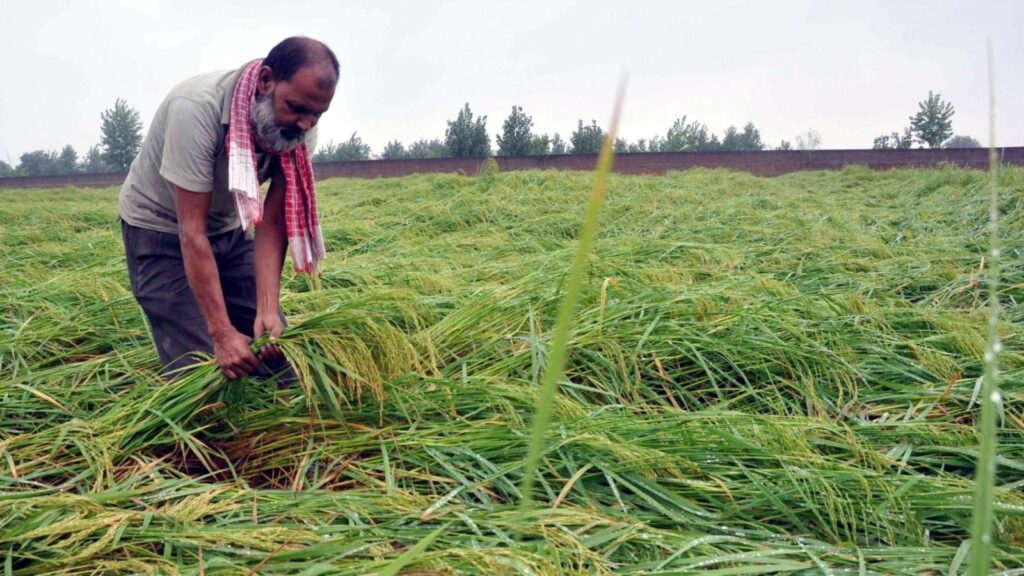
192,194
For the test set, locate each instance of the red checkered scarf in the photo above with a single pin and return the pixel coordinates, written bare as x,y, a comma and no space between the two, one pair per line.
301,222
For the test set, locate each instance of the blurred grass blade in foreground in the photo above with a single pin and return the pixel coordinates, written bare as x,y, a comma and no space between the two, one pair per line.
991,400
559,344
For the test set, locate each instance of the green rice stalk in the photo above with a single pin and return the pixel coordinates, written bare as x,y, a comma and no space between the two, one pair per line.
991,400
557,355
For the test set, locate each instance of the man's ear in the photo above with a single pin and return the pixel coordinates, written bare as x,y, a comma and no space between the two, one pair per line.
265,81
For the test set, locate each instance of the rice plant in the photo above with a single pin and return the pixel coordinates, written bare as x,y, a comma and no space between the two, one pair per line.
762,376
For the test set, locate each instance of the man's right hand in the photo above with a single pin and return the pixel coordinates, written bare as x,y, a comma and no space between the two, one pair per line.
233,353
229,345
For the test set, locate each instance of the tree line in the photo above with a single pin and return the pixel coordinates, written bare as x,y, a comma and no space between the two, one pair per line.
121,129
467,135
932,125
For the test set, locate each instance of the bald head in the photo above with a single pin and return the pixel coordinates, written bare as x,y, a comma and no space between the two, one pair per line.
298,53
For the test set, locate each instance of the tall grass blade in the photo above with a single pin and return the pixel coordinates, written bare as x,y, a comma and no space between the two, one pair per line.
981,530
559,343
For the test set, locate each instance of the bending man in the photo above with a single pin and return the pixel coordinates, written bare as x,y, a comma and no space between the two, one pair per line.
204,280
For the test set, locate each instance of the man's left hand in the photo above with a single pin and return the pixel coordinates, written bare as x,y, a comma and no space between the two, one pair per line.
269,322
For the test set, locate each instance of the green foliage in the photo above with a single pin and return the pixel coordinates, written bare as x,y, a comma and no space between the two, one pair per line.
784,145
587,139
539,145
894,141
394,151
427,149
686,137
352,149
39,163
637,147
7,170
735,141
47,163
67,161
93,162
962,141
516,139
466,136
933,123
558,145
122,135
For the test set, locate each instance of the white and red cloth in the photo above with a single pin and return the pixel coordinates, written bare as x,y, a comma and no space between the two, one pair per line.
301,222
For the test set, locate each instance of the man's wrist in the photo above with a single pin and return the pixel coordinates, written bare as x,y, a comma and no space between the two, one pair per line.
220,330
267,306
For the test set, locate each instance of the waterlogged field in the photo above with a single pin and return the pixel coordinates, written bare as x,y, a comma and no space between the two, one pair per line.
766,376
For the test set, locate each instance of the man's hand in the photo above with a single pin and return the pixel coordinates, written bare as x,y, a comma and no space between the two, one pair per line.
268,322
268,252
229,345
233,354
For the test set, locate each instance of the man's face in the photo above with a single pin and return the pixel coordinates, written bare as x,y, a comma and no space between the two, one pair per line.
285,110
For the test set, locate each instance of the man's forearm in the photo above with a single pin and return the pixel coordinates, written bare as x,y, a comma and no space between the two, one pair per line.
269,248
269,251
204,279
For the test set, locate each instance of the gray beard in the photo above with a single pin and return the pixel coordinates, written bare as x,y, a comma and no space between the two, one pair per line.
269,135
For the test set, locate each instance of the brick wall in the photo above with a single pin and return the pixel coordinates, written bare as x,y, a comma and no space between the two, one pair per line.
758,163
105,180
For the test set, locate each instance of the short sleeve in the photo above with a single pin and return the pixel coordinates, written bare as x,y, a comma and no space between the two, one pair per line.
191,141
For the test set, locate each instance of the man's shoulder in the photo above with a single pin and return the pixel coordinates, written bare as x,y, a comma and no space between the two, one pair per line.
209,92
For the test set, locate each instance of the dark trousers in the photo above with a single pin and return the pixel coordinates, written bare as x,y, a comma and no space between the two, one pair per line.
157,274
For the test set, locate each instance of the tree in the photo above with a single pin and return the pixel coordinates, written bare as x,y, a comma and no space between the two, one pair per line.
731,139
466,136
932,124
810,140
637,147
515,138
427,149
747,140
962,141
7,170
352,149
620,145
784,145
683,137
894,141
122,135
587,139
394,151
39,163
557,144
93,161
539,145
67,162
750,138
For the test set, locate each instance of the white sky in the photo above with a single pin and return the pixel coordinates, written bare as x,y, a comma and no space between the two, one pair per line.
850,69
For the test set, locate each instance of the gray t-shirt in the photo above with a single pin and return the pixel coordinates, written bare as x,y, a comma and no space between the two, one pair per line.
185,147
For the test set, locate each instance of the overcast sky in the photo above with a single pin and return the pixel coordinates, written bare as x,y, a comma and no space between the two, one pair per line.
849,69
